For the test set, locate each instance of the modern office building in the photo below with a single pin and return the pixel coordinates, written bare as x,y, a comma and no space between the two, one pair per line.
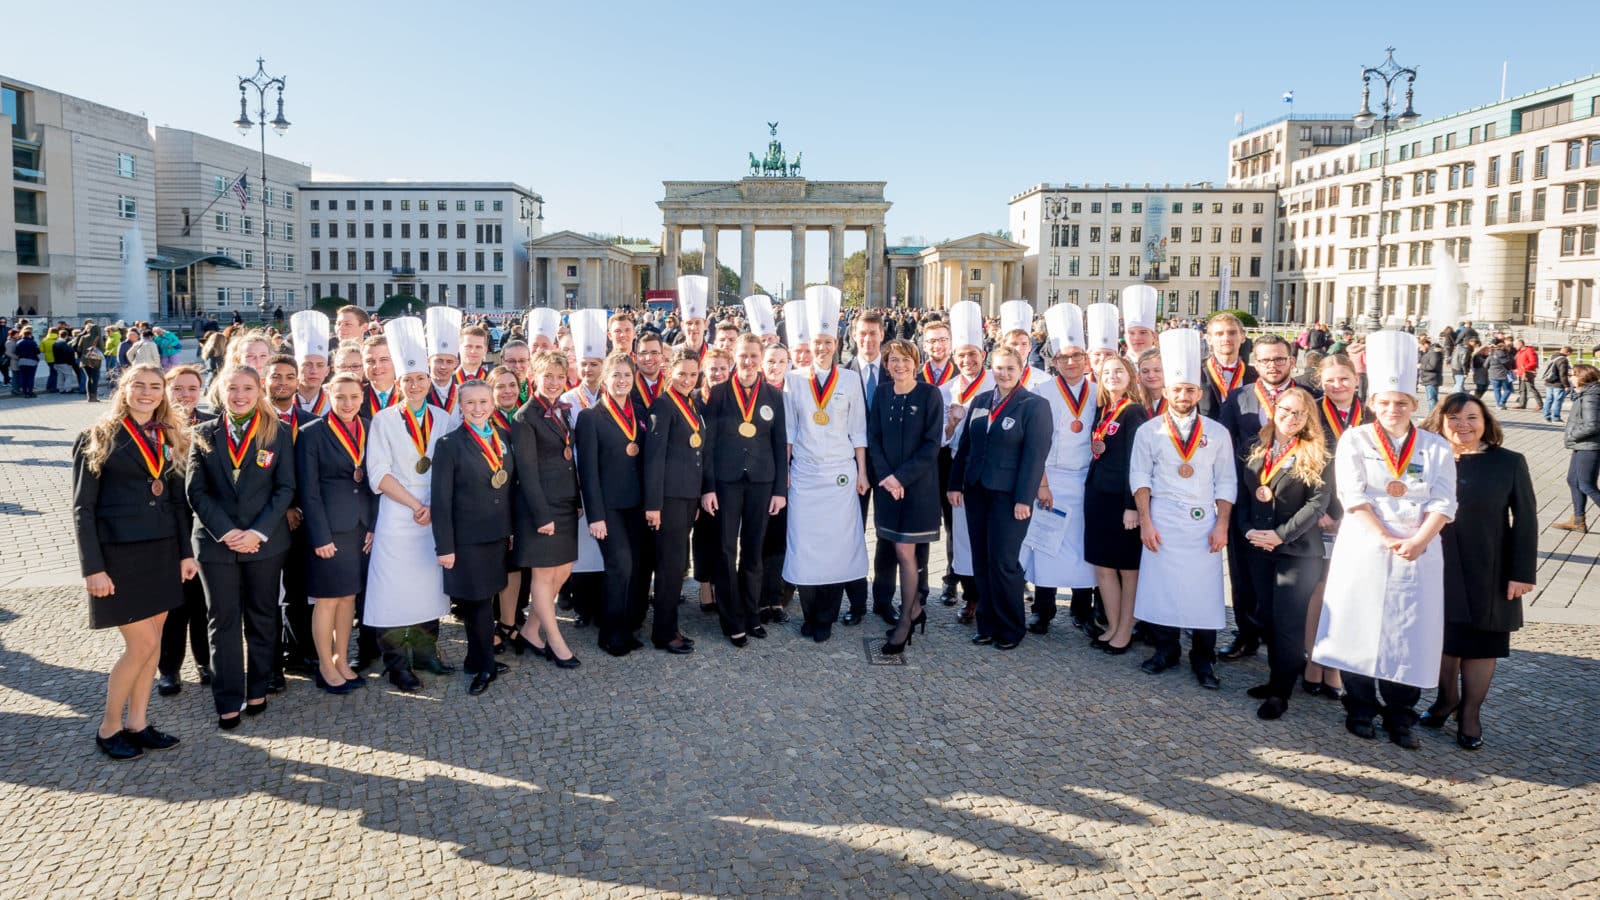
1260,157
458,243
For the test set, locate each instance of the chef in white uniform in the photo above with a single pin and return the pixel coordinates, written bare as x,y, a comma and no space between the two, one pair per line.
1072,413
1184,482
308,330
1016,332
586,585
826,416
973,380
544,328
444,355
797,331
1383,610
405,586
758,314
1140,303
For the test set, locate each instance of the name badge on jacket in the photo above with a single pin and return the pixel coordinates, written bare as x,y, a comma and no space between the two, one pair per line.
264,458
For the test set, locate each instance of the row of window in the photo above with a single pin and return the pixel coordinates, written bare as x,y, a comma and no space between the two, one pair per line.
1068,235
276,262
486,232
1198,208
1113,264
247,296
405,205
481,262
224,223
1577,241
221,184
480,293
1584,196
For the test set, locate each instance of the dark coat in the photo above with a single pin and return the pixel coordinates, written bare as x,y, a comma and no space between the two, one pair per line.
672,468
547,479
1108,472
1243,415
117,507
1583,418
466,507
1211,398
731,458
907,449
1494,540
1292,512
611,479
1430,367
258,501
331,499
1006,460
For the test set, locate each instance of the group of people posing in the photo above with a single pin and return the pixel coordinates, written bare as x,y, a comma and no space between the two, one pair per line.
384,479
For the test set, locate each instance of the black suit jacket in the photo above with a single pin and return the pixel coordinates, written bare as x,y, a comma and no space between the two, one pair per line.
1108,472
1007,460
1211,399
1292,512
547,479
369,397
116,506
859,366
731,458
610,478
1242,414
672,468
908,449
298,420
466,507
330,497
258,501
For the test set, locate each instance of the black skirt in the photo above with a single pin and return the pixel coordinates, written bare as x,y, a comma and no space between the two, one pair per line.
479,572
146,579
546,551
1105,542
1468,642
343,576
914,518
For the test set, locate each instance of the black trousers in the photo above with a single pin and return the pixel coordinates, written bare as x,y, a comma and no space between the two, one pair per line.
1361,694
585,593
819,603
706,542
1080,603
857,590
774,590
742,522
1240,586
645,564
948,512
295,644
996,537
479,617
672,556
1202,644
241,593
188,620
623,551
1283,587
409,645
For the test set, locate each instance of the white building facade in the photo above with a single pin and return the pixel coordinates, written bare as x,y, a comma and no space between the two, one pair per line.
457,243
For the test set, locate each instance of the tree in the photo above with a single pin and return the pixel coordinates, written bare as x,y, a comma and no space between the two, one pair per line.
692,262
401,305
329,306
854,287
1002,233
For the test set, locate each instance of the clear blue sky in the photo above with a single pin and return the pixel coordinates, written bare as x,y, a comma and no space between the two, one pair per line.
594,104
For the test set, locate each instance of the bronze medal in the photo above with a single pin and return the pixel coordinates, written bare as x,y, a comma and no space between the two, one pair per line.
356,475
566,453
236,475
1077,426
747,429
498,479
1264,494
1396,488
1097,447
156,487
695,441
423,465
633,449
1185,471
819,417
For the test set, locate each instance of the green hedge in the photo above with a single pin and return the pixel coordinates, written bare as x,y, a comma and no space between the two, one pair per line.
1244,318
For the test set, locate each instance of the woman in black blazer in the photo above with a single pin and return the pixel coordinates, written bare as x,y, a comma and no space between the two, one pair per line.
132,532
545,516
340,511
240,484
187,622
507,388
1288,494
673,473
472,503
611,457
996,474
905,428
1110,519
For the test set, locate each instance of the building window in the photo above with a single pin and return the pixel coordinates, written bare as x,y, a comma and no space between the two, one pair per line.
1136,208
461,206
288,231
1094,234
1569,241
125,165
371,260
405,230
1514,174
127,207
219,185
388,260
388,230
499,261
499,292
221,220
350,260
316,263
422,230
249,259
499,206
247,226
461,260
1541,161
1094,265
1196,233
461,231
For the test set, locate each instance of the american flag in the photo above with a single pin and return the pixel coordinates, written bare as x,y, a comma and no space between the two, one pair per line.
241,189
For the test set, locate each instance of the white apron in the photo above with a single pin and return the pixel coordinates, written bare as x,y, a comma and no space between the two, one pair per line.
1382,616
826,543
589,560
405,584
1065,568
1181,585
960,543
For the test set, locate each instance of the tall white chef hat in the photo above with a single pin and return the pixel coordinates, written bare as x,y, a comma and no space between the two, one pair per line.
1015,315
822,310
1391,362
308,328
966,325
758,309
692,290
1139,305
444,331
543,321
407,347
1065,321
588,333
1100,326
796,323
1180,356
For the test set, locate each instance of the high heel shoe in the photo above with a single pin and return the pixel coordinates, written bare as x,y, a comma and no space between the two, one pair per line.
890,648
1433,717
1469,741
920,623
502,635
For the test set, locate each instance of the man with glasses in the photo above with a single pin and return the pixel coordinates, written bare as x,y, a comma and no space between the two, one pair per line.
1243,414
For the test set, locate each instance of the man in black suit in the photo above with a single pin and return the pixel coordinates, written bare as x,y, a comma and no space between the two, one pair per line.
868,363
296,650
1225,369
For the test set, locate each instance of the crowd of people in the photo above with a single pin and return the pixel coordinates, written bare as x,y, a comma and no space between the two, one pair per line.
320,501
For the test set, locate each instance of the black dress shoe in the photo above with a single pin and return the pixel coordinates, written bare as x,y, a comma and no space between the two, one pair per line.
1435,716
618,650
203,674
436,666
405,681
480,683
276,684
949,598
1039,626
887,614
1469,741
822,633
633,643
1157,664
758,633
983,639
1007,645
1272,708
1361,728
1239,648
151,739
1314,688
1206,677
1260,692
118,747
229,723
1405,737
806,628
777,615
571,662
167,685
738,640
677,648
255,709
850,618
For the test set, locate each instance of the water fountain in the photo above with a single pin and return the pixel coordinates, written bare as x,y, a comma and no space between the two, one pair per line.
135,279
1448,297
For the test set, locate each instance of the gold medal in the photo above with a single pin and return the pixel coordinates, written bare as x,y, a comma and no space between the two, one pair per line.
236,475
819,417
498,479
423,465
633,449
156,487
1186,471
747,429
1396,488
694,440
1264,494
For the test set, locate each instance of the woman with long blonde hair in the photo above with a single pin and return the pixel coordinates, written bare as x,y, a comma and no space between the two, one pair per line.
133,533
1288,495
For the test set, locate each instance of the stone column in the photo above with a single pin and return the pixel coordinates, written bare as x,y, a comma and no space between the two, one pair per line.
797,261
595,293
552,281
709,264
747,260
669,255
877,294
836,255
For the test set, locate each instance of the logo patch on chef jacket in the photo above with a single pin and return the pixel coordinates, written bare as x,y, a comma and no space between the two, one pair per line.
1007,423
766,414
264,458
1414,469
842,480
1205,439
1196,513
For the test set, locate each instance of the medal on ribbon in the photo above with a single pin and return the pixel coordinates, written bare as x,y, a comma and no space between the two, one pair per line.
1097,438
822,393
1339,421
1224,388
646,391
419,428
154,456
237,448
1397,458
1074,404
1185,448
747,407
554,414
1269,467
493,454
626,423
939,380
685,408
355,445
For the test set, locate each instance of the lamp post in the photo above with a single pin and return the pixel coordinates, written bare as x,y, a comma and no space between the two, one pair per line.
1390,73
262,82
1055,213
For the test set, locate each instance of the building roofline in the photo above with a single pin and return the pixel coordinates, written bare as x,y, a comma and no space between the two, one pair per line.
314,184
1196,187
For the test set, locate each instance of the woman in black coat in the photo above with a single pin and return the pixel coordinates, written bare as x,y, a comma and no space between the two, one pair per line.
132,532
996,474
340,512
545,537
240,483
1288,494
1583,439
905,428
472,504
1491,553
673,474
1111,521
611,463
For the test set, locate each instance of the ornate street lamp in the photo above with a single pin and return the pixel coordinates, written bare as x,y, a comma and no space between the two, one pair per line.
1390,73
263,83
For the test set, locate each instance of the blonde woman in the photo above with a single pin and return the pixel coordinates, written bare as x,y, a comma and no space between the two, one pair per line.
133,533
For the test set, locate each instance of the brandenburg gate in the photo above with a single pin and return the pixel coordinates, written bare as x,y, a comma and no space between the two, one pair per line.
774,197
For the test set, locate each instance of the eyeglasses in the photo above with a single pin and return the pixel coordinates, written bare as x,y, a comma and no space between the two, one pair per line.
1293,413
1272,360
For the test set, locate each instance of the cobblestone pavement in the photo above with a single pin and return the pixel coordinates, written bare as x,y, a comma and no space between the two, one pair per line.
783,768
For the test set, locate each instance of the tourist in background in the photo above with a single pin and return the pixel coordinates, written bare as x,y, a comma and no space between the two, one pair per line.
1430,370
1527,374
26,351
1583,439
1555,377
1501,365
